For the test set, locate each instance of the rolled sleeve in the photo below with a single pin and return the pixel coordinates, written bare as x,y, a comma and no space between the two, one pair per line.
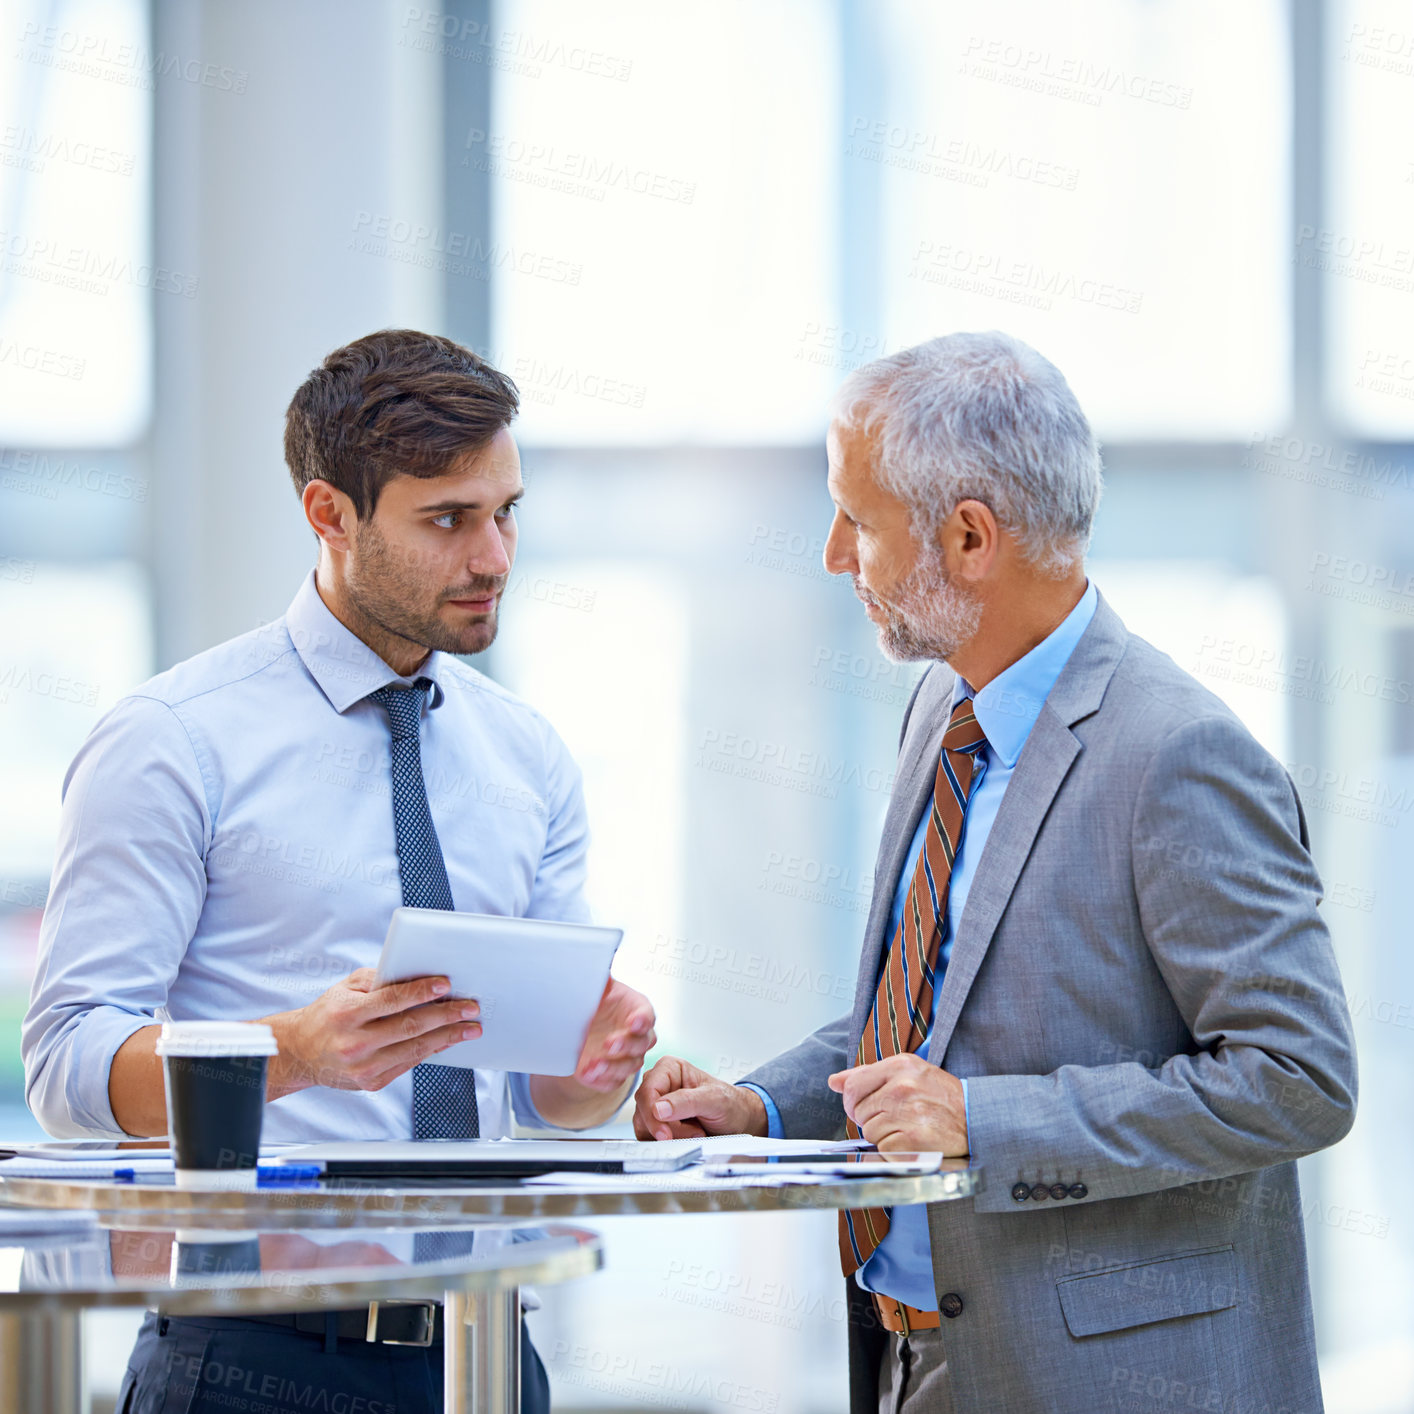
523,1106
128,887
526,1114
558,893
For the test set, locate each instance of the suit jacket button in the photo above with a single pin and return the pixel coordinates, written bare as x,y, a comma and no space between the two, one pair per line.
950,1304
1077,1190
1059,1191
1020,1191
1040,1193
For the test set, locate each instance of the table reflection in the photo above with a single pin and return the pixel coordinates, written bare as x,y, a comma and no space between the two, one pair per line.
178,1258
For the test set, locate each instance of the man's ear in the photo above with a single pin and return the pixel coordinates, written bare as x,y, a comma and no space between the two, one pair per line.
969,539
330,513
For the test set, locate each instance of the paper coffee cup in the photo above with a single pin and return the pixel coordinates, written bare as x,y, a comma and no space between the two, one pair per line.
215,1081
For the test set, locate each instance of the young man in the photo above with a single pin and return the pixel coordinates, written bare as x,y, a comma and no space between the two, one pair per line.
238,831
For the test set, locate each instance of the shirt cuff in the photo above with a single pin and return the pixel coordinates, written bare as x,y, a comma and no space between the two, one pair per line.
774,1128
70,1097
966,1117
523,1106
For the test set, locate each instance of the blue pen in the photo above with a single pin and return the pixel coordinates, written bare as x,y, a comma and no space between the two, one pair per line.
278,1173
289,1173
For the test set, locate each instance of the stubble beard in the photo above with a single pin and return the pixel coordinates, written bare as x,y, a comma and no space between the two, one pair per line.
931,616
387,593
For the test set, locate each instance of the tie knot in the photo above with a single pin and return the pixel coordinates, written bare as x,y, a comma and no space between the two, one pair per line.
964,731
403,706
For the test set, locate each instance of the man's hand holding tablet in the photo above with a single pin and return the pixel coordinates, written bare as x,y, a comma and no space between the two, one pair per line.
353,1036
620,1035
360,1036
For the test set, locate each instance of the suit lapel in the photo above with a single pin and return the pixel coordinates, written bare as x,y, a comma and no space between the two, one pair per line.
1043,765
1044,762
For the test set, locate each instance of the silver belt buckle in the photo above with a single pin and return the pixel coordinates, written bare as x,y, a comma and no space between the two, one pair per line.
429,1322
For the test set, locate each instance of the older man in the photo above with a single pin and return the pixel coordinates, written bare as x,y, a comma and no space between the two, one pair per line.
1094,960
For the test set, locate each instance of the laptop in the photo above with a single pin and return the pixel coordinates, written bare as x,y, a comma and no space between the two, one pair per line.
489,1158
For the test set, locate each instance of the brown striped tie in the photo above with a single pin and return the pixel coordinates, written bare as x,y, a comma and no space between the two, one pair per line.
903,1003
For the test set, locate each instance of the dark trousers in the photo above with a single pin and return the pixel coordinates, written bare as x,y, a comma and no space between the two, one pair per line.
200,1365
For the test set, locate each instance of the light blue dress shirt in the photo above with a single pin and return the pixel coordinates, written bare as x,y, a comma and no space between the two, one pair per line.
1007,708
226,850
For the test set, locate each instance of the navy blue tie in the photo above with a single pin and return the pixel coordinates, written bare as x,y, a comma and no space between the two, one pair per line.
443,1096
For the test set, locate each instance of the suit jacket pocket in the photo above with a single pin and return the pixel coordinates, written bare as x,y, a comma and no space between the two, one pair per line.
1139,1293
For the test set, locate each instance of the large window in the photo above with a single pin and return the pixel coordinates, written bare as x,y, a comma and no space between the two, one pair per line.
76,271
1115,192
77,282
665,230
1365,248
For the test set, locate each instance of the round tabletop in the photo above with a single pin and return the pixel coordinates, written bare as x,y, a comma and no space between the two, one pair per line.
351,1203
231,1272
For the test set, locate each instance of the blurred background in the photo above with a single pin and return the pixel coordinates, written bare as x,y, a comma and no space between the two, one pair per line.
678,227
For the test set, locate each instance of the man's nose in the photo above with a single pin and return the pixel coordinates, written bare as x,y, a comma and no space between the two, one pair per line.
840,557
489,555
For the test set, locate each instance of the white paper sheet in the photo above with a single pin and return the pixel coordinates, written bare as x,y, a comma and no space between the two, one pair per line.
682,1180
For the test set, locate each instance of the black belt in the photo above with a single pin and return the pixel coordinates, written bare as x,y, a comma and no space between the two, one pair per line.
379,1323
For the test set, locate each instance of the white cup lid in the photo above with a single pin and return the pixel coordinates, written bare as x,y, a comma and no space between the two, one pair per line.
216,1038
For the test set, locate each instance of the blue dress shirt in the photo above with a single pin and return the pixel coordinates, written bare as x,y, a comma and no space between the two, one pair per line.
226,850
1007,708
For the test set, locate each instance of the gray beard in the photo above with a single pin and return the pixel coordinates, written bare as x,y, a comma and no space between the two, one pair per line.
932,615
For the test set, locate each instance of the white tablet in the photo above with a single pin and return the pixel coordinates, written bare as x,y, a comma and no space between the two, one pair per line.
538,983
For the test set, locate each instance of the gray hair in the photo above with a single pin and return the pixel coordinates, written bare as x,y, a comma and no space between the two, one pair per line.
981,417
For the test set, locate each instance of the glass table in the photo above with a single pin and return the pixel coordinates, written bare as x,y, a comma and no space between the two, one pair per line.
344,1202
297,1227
48,1279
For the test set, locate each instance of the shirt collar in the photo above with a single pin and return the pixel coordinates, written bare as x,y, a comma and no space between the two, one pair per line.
1008,706
343,665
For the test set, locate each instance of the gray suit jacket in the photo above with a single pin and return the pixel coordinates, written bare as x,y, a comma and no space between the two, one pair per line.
1144,1001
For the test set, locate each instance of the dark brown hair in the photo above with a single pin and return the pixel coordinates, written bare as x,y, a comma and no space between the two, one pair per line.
393,403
